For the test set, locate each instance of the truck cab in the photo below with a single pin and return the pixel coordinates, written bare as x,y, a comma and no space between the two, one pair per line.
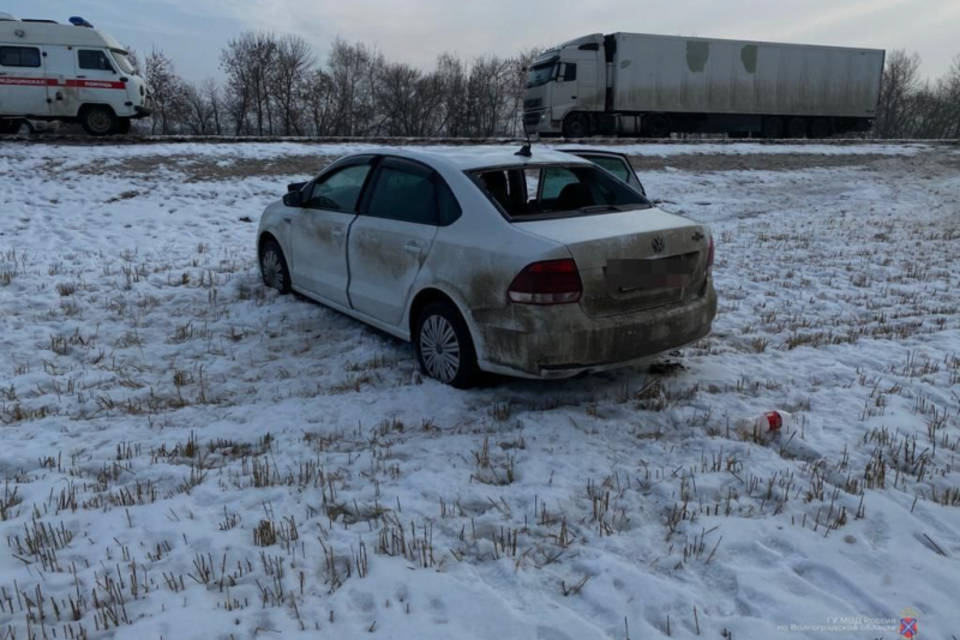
68,72
563,84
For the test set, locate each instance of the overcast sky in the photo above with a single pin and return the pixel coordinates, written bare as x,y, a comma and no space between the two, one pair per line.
192,32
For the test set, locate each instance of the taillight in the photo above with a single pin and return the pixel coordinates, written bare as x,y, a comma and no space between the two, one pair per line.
710,254
547,282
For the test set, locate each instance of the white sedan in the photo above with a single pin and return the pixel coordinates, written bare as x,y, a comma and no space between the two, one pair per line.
534,264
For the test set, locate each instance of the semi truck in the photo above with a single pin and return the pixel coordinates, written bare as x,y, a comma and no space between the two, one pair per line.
68,72
635,84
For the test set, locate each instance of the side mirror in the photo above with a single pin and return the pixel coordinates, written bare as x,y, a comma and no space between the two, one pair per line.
296,186
293,199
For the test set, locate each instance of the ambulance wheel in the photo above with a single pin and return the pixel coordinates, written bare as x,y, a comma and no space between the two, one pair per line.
121,126
9,127
98,121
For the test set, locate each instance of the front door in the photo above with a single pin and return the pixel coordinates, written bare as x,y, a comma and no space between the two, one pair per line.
96,79
319,234
392,236
23,85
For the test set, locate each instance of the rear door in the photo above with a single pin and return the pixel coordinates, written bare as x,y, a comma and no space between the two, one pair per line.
23,85
616,163
319,230
391,238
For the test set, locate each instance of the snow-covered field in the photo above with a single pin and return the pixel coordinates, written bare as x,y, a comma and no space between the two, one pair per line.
184,454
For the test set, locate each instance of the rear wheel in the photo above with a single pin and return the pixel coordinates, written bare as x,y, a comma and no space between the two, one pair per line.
443,346
98,121
656,126
575,126
273,266
772,127
820,128
797,128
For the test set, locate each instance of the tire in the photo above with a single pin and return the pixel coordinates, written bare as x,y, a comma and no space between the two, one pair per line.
575,126
772,127
821,128
9,127
121,126
444,347
657,126
273,266
797,128
98,121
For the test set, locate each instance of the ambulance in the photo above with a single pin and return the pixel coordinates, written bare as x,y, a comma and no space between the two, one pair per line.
68,72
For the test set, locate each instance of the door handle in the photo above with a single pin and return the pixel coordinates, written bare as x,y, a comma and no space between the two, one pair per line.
412,247
287,219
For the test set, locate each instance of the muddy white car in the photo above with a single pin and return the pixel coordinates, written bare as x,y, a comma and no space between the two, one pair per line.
538,265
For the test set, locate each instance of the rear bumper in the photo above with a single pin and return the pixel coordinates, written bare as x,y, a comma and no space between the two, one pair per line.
562,341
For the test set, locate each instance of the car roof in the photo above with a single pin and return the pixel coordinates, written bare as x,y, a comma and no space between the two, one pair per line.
467,158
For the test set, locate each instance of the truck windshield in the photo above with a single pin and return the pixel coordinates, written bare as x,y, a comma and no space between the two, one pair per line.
541,73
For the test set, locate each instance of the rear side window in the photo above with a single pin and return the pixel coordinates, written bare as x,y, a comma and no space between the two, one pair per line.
405,192
93,59
19,57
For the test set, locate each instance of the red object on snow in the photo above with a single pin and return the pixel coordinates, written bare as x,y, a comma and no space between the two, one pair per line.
774,420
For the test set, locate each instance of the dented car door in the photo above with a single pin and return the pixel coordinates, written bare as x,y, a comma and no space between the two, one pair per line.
391,238
320,227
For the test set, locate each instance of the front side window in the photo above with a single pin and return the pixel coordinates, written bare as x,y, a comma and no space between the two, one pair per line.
94,60
569,71
407,193
339,191
19,57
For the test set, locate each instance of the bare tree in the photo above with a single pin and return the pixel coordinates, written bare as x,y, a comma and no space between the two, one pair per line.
166,90
293,60
895,109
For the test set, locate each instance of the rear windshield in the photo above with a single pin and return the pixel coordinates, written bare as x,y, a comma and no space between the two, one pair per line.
549,191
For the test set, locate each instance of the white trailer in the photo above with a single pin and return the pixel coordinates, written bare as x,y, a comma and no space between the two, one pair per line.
69,72
639,84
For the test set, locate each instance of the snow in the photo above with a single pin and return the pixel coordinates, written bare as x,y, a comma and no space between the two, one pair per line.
158,404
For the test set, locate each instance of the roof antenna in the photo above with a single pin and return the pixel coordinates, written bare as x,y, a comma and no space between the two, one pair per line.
525,149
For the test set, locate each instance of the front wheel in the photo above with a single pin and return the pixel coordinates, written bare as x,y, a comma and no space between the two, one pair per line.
443,346
575,126
273,266
98,121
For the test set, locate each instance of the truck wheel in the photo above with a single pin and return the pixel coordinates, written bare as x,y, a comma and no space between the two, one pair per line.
9,127
772,127
575,126
121,126
821,128
98,121
656,126
797,128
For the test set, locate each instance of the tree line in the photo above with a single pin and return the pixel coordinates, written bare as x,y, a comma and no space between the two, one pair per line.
274,85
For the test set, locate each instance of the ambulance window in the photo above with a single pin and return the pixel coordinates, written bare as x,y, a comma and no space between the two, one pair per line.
94,60
19,57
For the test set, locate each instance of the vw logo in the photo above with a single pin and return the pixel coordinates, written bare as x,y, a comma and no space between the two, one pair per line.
658,244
